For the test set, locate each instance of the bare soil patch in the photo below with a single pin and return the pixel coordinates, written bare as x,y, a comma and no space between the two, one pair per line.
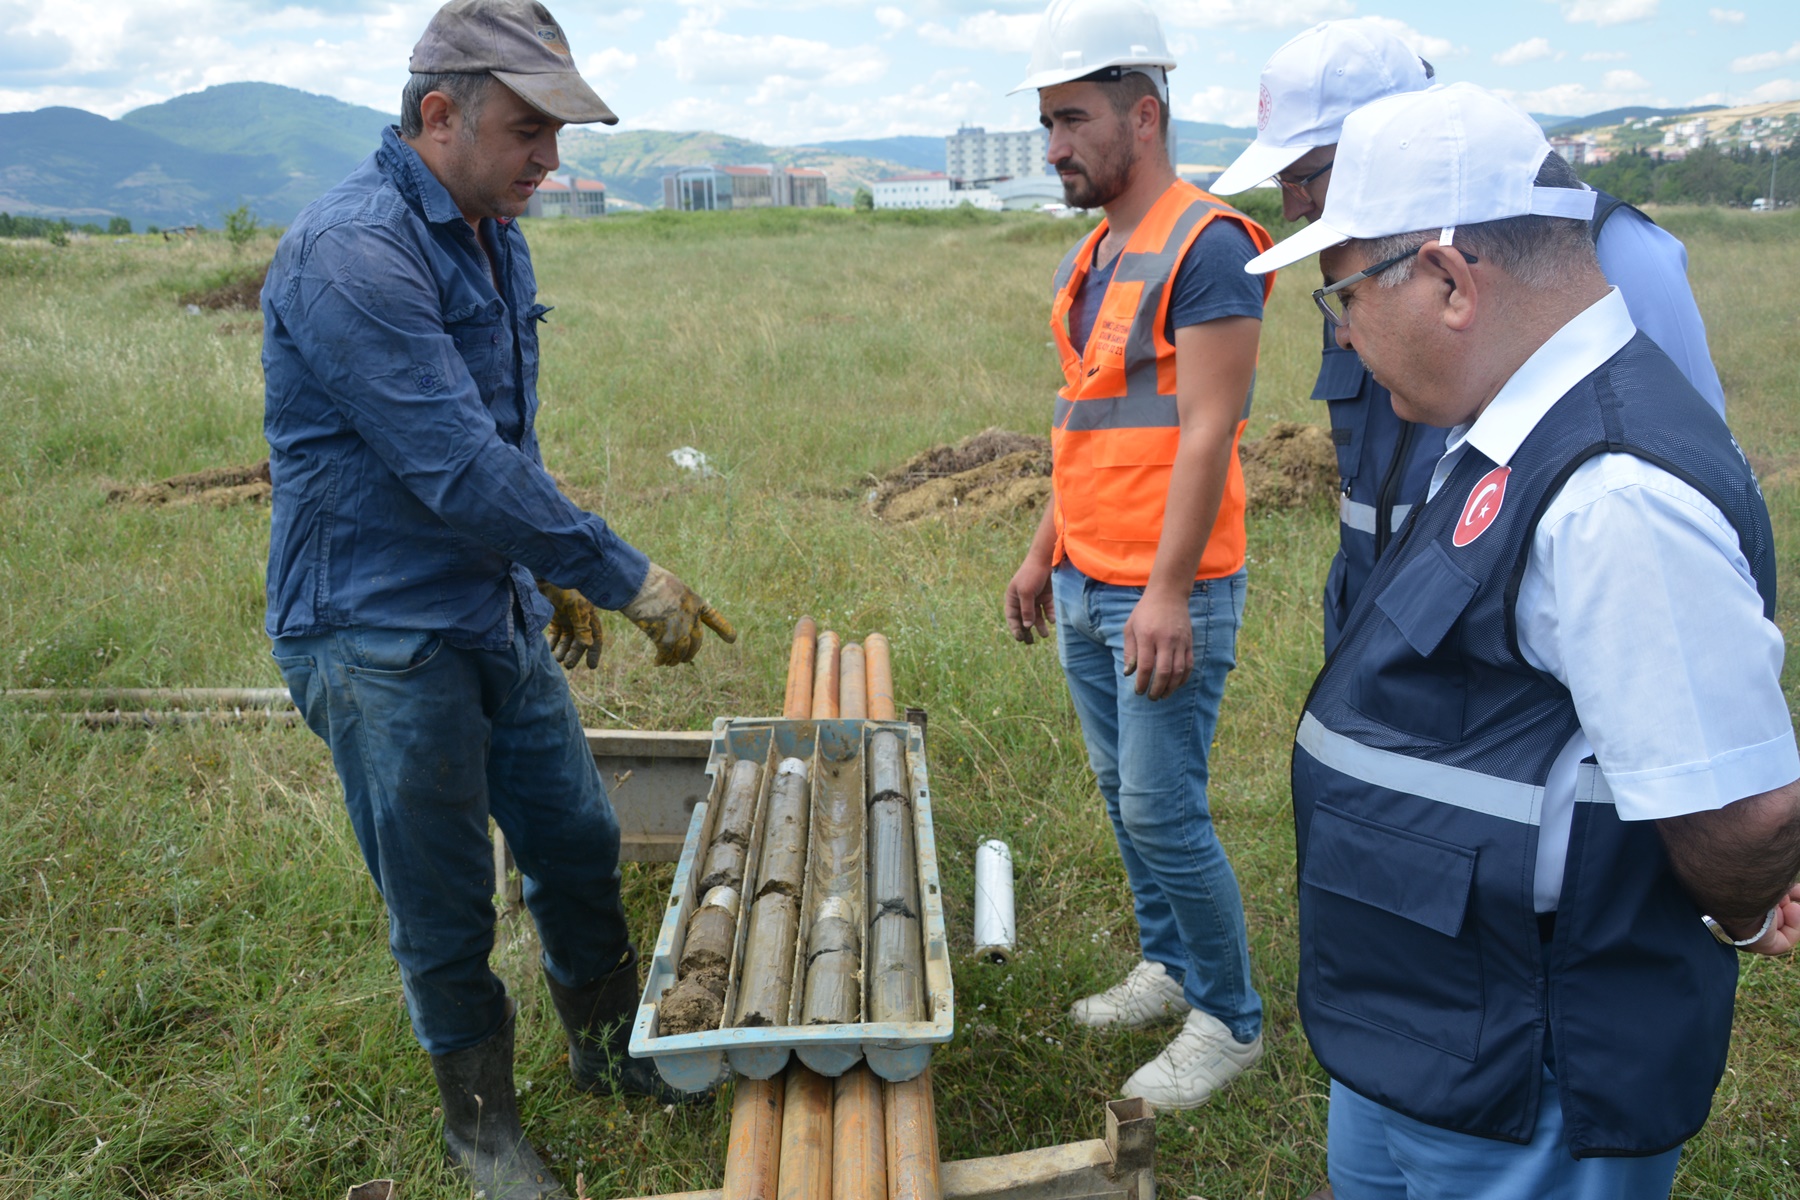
220,487
1291,466
244,293
998,473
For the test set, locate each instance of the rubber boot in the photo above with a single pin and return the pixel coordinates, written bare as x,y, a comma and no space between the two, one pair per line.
598,1018
481,1121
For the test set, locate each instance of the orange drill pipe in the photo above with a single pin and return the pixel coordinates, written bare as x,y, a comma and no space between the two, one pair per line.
879,666
825,678
859,1141
798,703
912,1140
752,1154
806,1136
853,685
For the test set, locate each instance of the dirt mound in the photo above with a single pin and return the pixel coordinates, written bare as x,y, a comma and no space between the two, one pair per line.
997,472
220,487
991,475
1291,466
244,292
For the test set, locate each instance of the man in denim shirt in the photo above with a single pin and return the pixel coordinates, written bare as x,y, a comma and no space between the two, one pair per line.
414,528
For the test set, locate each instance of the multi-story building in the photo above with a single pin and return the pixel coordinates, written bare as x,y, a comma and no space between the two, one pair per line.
567,196
932,190
712,187
974,156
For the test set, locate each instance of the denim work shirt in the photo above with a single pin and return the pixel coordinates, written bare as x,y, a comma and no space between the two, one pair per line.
409,492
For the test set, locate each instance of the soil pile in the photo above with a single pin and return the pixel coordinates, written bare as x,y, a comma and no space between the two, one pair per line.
242,293
1291,466
220,487
997,473
991,475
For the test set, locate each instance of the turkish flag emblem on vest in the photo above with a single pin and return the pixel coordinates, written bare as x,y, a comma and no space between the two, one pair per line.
1482,507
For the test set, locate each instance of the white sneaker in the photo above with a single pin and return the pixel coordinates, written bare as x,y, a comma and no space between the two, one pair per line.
1147,996
1203,1058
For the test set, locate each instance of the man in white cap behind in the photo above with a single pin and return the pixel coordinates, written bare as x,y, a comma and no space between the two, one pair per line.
1545,790
1139,560
1308,87
414,528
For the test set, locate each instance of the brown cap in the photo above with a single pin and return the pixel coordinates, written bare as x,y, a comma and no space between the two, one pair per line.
519,43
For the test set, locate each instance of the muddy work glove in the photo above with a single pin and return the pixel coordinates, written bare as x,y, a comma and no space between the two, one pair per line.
672,616
574,630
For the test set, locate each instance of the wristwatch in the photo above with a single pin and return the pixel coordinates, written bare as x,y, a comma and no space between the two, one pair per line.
1725,939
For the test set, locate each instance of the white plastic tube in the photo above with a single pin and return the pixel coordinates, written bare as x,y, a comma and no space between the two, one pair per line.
994,920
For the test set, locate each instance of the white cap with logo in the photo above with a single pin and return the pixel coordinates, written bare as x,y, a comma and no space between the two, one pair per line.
1311,84
1436,159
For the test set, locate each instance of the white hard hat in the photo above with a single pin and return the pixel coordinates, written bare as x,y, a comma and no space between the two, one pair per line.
1311,84
1080,37
1436,159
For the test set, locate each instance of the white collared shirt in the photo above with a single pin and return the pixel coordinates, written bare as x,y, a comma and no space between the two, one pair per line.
1636,598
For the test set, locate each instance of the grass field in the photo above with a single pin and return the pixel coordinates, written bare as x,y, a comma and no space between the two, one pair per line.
196,998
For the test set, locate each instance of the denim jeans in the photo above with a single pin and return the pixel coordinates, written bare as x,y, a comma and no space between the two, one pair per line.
1376,1153
429,740
1149,758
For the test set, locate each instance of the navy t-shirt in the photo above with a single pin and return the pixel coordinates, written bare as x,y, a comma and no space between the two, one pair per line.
1211,283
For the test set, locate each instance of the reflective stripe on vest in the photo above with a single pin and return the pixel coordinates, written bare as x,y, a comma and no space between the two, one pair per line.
1361,517
1458,787
1117,419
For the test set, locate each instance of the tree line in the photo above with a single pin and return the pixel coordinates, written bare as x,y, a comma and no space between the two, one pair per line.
1707,175
58,228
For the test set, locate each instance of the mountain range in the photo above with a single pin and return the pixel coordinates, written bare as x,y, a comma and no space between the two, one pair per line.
190,159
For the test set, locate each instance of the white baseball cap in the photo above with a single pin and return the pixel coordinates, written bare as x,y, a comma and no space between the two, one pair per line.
1435,159
1311,84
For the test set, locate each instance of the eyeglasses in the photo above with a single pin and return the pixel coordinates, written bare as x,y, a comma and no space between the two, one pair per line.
1297,187
1331,299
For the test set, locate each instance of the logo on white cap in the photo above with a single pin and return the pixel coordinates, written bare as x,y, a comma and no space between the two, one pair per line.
1263,104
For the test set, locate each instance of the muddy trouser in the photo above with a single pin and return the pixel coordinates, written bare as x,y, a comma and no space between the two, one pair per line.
429,740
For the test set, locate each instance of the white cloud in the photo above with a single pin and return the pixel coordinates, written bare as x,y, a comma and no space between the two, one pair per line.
610,63
1220,105
704,54
1777,90
1422,44
1726,16
1608,12
1576,99
1766,61
1002,33
1252,14
1526,51
1624,81
1605,56
891,18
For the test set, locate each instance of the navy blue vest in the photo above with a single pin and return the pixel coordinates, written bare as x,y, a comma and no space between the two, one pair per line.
1384,462
1418,780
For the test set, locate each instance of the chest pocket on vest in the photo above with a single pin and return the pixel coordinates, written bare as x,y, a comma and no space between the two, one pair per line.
1340,386
1404,681
482,338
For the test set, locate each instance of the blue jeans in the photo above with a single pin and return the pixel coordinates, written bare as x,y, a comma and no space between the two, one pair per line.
429,740
1376,1153
1149,758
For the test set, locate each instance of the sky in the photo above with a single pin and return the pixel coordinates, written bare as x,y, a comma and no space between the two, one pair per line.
789,72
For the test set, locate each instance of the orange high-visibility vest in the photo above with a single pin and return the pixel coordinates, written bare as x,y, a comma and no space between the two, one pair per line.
1117,426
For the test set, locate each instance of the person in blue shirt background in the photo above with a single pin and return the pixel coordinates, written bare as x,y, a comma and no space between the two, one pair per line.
419,549
1308,87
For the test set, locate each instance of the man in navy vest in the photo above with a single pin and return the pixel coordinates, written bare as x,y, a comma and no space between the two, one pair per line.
1384,461
1546,788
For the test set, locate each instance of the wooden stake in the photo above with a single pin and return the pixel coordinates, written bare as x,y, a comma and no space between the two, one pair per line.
853,688
797,705
859,1143
806,1136
825,678
752,1156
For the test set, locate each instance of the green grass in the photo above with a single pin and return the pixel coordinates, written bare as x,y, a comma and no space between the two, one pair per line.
196,998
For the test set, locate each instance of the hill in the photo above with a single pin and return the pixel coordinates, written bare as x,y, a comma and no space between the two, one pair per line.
65,162
913,153
1563,126
632,164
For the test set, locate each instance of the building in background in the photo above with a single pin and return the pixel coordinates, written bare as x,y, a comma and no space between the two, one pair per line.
931,190
567,196
973,156
711,188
